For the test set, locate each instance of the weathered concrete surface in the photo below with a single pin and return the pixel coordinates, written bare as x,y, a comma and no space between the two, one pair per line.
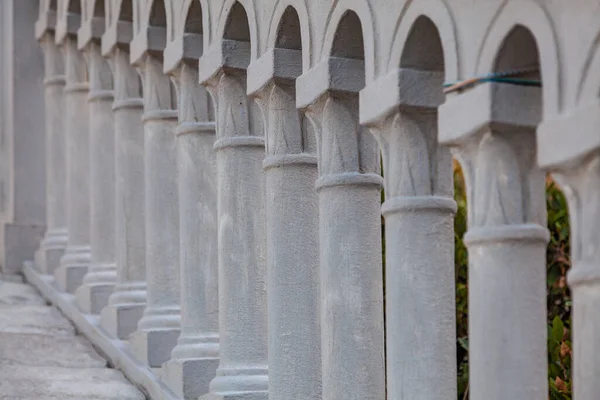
19,293
42,358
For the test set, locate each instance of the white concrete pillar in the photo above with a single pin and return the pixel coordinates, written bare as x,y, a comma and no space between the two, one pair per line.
419,234
76,260
243,364
349,191
573,157
195,359
494,139
99,282
158,329
55,240
581,185
126,304
292,212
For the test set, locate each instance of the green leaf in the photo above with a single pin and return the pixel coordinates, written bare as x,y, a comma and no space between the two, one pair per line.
558,329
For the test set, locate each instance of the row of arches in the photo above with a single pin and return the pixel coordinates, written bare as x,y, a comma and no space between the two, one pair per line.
497,154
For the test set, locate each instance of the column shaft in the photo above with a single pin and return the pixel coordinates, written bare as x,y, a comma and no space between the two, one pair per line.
196,357
158,329
292,250
419,233
100,280
349,190
243,364
507,242
127,302
55,241
580,185
76,260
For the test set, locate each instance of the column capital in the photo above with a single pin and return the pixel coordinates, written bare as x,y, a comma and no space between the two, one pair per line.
580,183
54,69
502,106
126,80
333,74
75,66
504,185
193,100
100,75
160,101
401,88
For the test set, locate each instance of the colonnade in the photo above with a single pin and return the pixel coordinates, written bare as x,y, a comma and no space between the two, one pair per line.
217,204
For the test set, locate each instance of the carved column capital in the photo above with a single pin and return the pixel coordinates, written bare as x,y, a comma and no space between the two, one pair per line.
581,185
126,79
76,73
54,69
497,151
194,104
100,74
159,98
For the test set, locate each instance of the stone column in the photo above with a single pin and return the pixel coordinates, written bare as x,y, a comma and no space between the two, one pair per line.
196,357
573,157
126,304
99,282
158,329
349,192
76,260
243,364
292,214
55,240
419,234
494,139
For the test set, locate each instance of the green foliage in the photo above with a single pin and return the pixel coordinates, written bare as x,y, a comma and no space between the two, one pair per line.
559,301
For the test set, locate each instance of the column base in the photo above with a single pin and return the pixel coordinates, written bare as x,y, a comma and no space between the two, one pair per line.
189,378
239,384
52,249
153,347
51,259
120,320
98,284
93,297
73,267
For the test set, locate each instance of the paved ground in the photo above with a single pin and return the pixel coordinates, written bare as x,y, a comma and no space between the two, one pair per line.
41,357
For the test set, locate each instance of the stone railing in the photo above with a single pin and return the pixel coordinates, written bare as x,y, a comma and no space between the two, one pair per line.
214,191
